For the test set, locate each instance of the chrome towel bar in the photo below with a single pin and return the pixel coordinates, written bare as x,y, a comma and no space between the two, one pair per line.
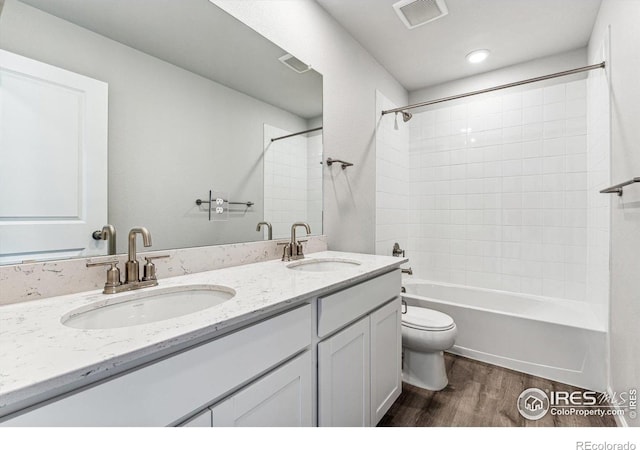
617,189
344,164
247,204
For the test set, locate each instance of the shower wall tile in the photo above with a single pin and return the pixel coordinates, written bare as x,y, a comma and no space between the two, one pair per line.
499,191
395,168
288,176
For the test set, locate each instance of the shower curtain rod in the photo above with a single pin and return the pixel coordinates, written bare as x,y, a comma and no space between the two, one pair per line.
296,134
496,88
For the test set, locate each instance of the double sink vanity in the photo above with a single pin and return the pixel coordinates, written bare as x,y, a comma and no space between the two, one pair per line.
313,342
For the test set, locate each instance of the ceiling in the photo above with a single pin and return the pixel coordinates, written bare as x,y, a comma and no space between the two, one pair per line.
514,30
200,37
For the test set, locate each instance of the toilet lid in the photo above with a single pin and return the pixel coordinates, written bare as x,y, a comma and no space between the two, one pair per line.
426,319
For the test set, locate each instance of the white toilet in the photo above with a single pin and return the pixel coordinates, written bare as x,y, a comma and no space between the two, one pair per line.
425,335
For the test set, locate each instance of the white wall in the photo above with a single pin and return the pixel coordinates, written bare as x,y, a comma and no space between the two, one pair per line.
530,69
351,76
393,183
173,135
624,69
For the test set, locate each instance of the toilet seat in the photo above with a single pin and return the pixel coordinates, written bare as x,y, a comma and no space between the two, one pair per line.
426,319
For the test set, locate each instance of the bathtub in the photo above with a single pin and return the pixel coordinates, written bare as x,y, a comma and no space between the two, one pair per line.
561,340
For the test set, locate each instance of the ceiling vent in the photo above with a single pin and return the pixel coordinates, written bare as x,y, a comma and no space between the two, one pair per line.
294,63
415,13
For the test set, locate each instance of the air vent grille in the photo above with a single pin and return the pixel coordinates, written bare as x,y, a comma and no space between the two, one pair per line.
415,13
294,63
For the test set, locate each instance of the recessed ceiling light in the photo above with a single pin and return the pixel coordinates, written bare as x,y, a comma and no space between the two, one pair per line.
477,56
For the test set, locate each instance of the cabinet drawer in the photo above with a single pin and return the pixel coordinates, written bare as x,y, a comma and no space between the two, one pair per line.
343,307
167,391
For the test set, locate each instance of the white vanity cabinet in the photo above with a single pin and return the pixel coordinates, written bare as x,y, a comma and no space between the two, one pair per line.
333,360
359,366
171,390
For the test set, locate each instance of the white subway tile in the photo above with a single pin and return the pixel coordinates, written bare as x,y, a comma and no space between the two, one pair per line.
512,184
512,101
532,166
554,94
532,149
532,131
533,114
532,97
553,165
554,111
554,129
554,147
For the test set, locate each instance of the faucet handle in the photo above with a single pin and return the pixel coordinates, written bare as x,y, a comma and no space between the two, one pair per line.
151,258
286,251
113,263
113,275
150,267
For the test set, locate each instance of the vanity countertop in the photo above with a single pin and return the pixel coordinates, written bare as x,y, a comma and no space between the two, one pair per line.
40,357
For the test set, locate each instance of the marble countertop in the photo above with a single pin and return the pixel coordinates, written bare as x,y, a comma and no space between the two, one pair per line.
40,357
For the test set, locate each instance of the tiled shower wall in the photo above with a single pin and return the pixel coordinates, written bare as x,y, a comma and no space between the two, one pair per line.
498,191
392,179
292,181
285,180
314,182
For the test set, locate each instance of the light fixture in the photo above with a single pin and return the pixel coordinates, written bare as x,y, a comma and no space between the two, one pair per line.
477,56
415,13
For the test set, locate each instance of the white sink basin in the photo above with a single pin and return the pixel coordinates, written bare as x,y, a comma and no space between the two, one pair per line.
145,307
323,265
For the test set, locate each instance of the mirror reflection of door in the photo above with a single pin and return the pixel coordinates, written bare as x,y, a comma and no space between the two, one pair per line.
53,161
190,89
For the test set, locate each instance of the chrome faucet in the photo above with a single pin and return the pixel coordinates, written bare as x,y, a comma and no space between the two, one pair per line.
293,249
269,229
108,233
132,267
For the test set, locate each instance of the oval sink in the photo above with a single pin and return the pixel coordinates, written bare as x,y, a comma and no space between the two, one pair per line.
323,265
140,308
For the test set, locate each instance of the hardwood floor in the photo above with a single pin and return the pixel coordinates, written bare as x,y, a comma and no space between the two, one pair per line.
479,395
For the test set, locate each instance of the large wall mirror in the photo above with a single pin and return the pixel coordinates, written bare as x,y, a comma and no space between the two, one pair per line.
127,112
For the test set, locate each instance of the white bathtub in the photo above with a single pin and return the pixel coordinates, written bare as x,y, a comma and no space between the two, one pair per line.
561,340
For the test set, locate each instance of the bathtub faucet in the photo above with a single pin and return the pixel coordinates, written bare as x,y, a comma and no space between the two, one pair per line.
408,271
397,251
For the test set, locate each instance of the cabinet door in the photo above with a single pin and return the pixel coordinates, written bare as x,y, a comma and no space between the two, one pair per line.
281,398
344,377
386,358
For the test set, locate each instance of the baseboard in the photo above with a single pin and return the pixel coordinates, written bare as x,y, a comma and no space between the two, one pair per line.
621,421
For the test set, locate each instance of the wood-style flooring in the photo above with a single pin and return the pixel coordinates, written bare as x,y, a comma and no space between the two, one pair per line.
479,395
